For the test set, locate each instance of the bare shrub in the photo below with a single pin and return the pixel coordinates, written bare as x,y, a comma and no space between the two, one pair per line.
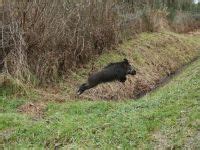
52,37
184,22
155,20
48,39
130,21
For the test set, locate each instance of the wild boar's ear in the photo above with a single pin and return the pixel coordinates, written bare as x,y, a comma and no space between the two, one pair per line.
126,61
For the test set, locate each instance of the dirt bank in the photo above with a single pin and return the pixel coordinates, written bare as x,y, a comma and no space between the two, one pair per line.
167,79
155,57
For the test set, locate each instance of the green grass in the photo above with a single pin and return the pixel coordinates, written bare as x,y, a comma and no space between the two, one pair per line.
167,118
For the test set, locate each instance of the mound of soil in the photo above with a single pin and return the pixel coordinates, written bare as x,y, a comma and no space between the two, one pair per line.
33,109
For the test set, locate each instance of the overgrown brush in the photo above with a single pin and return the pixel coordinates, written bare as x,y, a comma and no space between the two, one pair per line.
48,39
52,37
184,22
14,87
155,20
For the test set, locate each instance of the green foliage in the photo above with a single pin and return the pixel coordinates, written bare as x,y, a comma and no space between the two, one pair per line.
9,105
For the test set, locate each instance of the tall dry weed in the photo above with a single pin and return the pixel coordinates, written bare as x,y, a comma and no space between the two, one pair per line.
48,39
184,22
52,37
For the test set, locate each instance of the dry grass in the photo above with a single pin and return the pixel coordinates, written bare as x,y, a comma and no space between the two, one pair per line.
185,22
35,110
48,39
155,56
51,38
161,141
156,20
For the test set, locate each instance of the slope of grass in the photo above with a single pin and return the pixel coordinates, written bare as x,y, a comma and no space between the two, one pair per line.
154,56
166,118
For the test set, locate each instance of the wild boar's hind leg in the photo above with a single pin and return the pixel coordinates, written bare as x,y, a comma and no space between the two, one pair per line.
84,87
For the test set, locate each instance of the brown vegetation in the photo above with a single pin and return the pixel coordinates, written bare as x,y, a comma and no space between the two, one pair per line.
155,57
48,39
185,22
33,109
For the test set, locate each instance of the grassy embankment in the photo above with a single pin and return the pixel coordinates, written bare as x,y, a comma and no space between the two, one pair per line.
166,118
154,55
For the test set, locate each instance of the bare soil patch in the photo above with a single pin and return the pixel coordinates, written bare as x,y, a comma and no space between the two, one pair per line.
35,110
161,141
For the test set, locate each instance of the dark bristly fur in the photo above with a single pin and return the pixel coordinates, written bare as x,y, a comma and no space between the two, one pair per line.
113,71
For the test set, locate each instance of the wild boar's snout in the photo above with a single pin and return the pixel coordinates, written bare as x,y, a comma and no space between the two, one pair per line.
132,72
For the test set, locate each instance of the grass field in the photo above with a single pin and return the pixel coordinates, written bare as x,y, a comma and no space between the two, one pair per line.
166,118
